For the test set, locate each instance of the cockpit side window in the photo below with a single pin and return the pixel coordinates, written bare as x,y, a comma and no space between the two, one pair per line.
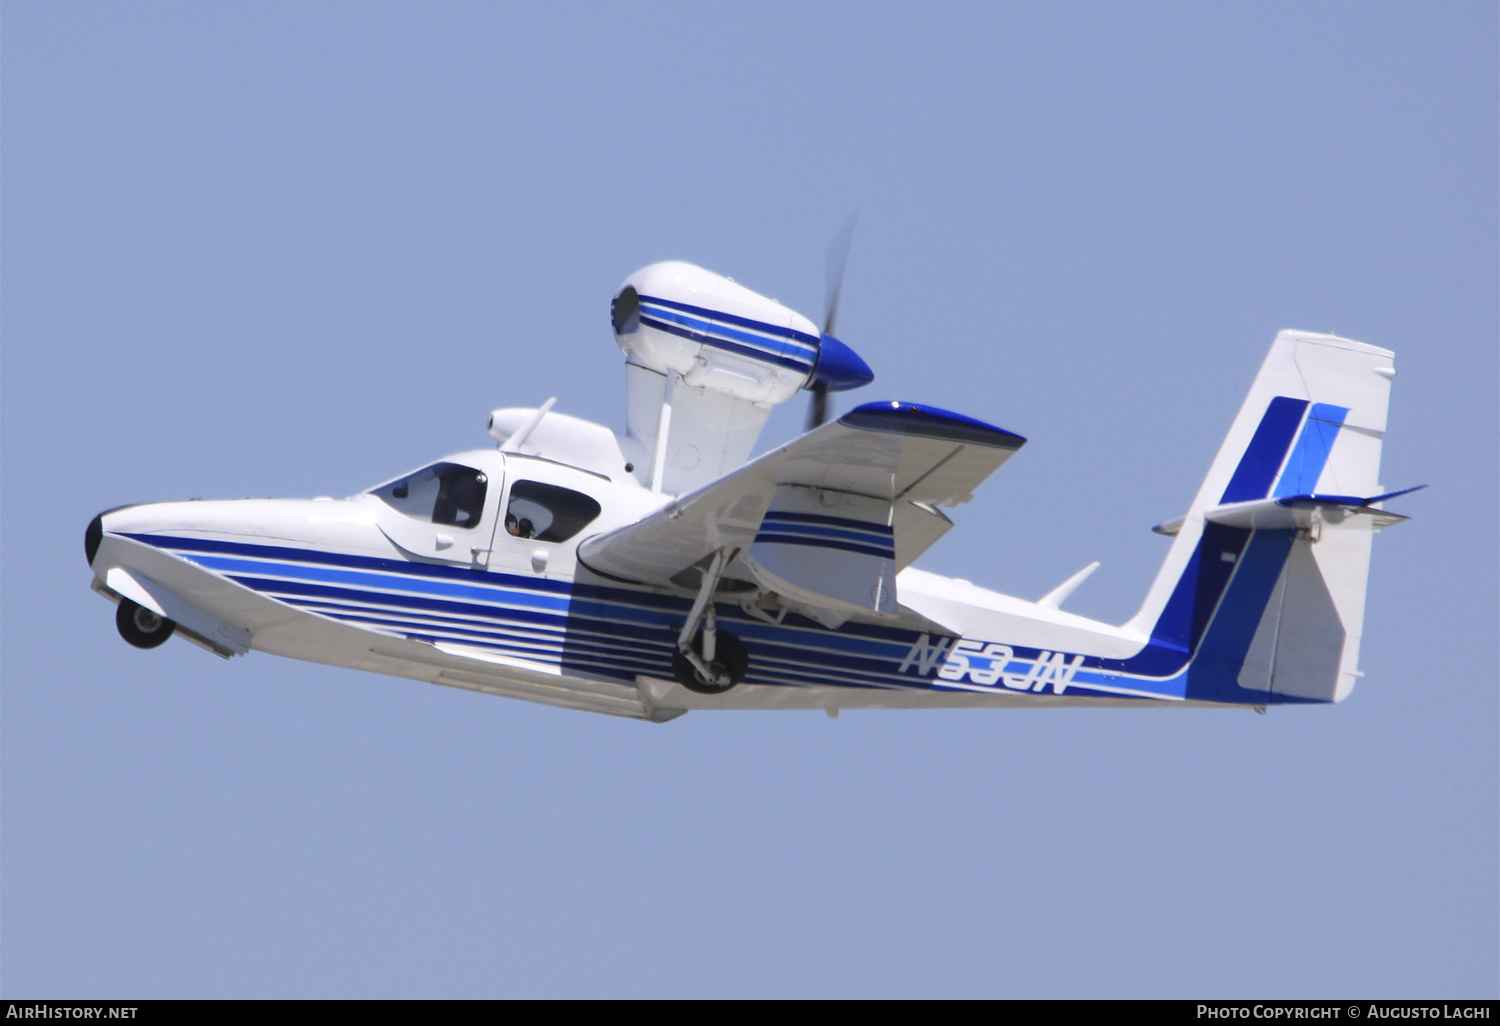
546,512
444,493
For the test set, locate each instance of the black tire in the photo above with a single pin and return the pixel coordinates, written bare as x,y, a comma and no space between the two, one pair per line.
730,658
140,626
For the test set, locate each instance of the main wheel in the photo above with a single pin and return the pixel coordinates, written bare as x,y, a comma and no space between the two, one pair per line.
731,662
140,626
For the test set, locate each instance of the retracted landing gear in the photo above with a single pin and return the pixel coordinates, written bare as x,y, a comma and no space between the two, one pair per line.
725,668
716,661
140,626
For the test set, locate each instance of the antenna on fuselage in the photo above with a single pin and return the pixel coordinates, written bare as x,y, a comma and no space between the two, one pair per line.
515,441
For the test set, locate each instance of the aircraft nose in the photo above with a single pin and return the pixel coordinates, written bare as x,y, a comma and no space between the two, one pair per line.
94,533
92,536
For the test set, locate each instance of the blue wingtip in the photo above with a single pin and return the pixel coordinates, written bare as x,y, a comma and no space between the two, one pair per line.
839,367
929,422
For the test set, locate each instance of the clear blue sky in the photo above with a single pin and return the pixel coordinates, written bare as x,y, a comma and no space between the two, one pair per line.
292,249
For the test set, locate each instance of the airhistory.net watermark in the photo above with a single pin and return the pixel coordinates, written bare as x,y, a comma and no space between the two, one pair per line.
44,1010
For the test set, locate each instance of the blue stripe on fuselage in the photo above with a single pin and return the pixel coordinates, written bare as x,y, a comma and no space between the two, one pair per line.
632,617
592,624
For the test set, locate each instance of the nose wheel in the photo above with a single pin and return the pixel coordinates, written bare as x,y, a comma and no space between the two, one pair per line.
140,626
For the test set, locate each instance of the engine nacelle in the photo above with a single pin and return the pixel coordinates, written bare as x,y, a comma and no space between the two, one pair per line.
676,318
706,359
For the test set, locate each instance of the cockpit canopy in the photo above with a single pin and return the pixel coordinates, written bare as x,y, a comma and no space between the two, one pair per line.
453,494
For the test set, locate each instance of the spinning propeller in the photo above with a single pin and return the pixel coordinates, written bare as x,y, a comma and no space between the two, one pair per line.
839,368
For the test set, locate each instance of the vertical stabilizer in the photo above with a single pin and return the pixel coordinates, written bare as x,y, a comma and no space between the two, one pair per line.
1273,612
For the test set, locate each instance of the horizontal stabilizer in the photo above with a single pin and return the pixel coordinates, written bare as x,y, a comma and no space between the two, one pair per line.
1295,512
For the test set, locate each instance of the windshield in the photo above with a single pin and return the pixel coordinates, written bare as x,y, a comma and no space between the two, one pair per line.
444,493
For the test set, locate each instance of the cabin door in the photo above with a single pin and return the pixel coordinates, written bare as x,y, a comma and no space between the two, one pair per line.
446,512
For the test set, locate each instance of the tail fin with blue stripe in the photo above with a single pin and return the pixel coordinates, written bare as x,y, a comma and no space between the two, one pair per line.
1264,586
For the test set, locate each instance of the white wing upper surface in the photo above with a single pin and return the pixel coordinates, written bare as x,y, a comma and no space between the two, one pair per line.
853,501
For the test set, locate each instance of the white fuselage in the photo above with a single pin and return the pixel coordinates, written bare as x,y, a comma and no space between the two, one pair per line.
360,583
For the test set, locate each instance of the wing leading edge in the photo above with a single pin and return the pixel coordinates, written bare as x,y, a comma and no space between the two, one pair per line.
826,520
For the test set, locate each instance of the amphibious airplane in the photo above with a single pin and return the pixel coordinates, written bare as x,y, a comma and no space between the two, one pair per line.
649,573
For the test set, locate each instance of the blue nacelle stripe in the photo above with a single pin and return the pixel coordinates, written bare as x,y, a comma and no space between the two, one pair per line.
780,346
789,354
536,650
539,629
802,366
791,334
607,659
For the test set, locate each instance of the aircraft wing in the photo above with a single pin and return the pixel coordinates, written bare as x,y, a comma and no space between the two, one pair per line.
827,519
